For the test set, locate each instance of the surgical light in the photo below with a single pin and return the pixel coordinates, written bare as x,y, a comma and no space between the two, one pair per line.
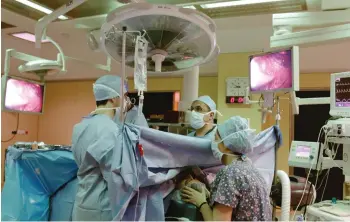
26,36
237,3
39,8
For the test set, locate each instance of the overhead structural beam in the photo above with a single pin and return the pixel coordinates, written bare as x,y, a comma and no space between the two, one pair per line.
17,19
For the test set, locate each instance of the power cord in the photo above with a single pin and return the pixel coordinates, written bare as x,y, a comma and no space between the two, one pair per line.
302,196
324,189
14,134
307,178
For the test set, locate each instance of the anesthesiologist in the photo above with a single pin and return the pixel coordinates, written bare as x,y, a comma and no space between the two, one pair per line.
239,192
93,141
202,118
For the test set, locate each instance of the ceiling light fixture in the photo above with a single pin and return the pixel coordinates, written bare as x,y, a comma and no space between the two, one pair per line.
237,3
26,36
189,6
39,8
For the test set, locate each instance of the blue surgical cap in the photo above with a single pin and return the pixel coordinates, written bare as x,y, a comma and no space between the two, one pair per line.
107,87
208,101
236,135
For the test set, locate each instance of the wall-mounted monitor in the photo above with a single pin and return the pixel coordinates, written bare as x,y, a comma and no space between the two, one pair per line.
21,95
276,71
340,94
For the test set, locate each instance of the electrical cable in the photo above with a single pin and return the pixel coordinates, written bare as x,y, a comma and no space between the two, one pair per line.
14,135
318,158
302,196
317,189
307,178
324,189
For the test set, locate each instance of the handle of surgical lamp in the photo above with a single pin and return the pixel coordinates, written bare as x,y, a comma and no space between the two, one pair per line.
61,54
7,62
41,25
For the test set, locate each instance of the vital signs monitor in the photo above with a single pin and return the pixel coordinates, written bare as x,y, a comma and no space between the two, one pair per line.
340,94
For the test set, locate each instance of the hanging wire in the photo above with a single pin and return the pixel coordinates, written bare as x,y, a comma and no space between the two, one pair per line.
14,135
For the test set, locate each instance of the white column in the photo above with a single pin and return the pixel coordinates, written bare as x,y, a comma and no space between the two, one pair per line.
189,88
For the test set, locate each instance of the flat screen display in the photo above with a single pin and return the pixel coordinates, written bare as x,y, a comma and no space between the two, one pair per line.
342,92
24,96
303,151
271,72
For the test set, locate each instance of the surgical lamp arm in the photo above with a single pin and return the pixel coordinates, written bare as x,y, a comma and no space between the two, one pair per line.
18,55
61,54
40,26
106,67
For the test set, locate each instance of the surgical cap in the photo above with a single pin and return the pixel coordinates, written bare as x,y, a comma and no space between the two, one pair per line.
236,135
208,101
107,87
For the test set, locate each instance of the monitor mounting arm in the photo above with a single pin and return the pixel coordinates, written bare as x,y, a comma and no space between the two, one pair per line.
41,25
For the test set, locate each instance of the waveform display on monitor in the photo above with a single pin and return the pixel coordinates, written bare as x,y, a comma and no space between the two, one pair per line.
342,92
24,96
272,71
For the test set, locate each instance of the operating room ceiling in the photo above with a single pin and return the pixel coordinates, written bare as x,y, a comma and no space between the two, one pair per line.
96,7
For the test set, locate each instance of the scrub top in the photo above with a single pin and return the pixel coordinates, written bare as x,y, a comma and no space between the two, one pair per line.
240,186
209,135
93,141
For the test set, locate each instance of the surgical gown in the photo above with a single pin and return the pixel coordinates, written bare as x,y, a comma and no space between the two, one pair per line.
133,118
210,135
93,141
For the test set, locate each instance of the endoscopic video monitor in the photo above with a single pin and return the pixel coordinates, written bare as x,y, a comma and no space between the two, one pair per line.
276,71
20,95
340,94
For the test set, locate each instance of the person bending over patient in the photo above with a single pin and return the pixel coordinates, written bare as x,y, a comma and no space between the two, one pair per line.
238,192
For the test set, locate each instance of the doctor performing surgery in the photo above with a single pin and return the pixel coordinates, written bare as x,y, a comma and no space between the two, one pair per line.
175,110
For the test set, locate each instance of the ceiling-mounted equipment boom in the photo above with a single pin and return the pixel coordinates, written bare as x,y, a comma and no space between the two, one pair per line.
330,25
41,25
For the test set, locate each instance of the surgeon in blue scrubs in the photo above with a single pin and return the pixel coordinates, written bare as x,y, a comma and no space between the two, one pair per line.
93,141
203,112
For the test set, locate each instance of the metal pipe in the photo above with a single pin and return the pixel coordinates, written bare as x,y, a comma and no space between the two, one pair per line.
121,118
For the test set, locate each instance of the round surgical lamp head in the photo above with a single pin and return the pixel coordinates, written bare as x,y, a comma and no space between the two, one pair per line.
185,39
41,67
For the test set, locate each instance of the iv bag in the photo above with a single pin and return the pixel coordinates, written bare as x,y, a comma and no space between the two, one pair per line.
140,67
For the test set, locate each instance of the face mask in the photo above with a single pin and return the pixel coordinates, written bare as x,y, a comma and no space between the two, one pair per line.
197,119
217,153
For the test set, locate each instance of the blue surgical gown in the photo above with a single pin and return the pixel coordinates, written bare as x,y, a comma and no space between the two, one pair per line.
133,118
93,141
210,135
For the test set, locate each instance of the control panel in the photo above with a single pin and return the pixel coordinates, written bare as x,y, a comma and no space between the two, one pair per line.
303,154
